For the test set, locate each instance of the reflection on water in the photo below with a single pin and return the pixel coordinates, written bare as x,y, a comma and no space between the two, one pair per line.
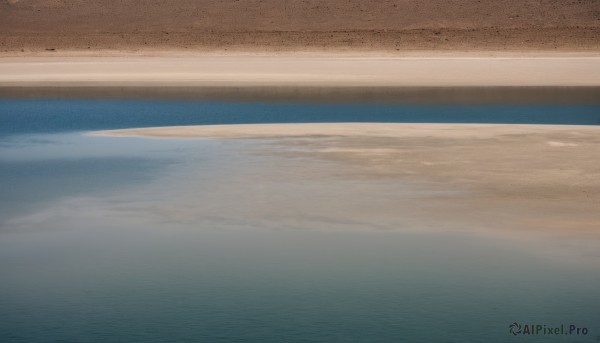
154,240
197,240
91,282
398,95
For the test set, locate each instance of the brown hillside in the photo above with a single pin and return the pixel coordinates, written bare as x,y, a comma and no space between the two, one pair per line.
387,24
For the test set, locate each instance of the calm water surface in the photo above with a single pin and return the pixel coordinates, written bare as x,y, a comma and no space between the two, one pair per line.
151,240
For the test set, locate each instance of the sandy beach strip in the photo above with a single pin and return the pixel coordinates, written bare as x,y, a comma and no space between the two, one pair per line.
332,70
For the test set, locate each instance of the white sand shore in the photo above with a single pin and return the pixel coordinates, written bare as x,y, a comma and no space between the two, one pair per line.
332,70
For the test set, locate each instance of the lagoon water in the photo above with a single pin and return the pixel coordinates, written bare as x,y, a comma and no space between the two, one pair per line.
116,239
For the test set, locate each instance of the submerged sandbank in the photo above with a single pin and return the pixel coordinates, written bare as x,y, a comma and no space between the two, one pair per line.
508,177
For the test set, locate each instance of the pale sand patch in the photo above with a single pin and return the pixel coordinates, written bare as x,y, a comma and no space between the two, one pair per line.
458,131
559,144
333,70
504,177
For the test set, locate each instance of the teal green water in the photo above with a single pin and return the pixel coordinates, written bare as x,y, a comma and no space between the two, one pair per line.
141,240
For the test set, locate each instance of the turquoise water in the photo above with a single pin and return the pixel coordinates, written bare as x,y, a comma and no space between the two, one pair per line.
142,240
60,115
